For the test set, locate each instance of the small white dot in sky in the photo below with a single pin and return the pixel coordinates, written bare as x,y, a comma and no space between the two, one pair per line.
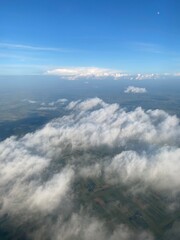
158,13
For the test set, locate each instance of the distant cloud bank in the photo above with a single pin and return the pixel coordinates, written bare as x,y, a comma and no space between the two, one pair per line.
86,72
132,89
74,73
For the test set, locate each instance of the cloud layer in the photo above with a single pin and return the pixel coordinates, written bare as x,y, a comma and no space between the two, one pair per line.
75,73
86,72
42,171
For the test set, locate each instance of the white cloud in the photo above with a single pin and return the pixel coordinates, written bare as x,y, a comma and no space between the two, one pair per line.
29,47
74,73
29,101
86,105
155,170
132,89
86,72
47,108
140,76
40,172
48,196
59,101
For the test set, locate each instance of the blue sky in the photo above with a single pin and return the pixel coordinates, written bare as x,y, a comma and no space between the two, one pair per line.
131,36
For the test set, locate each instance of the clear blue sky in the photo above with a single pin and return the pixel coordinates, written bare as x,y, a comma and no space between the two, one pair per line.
129,35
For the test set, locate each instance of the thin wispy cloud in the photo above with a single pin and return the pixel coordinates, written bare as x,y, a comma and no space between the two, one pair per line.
154,48
31,48
148,47
20,57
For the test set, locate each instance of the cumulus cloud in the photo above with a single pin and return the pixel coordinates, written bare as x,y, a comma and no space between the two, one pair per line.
140,76
86,72
47,177
86,105
155,170
132,89
49,195
74,73
52,106
59,101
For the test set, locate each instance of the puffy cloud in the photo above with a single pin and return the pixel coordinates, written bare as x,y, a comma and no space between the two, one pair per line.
132,89
22,185
49,195
86,105
74,73
140,76
52,106
42,172
59,101
155,170
86,72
